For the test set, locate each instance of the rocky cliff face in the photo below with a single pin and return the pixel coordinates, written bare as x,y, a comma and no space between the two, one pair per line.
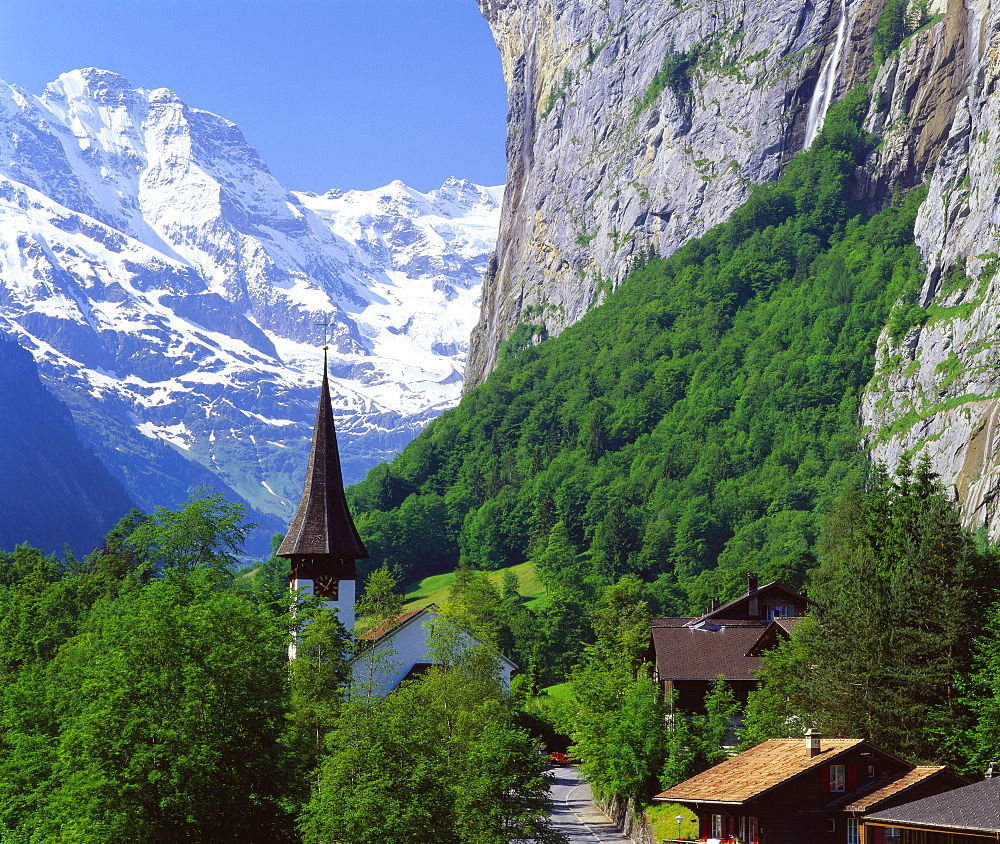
937,390
634,125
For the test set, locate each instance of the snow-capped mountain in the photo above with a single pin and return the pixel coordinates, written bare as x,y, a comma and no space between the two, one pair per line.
174,294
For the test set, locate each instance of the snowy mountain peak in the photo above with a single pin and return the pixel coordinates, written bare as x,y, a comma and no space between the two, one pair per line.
91,83
173,289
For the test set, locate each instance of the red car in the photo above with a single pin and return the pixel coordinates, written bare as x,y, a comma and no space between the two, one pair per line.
557,758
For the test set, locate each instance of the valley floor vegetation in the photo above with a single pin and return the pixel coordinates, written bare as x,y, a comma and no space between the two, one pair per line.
146,696
903,649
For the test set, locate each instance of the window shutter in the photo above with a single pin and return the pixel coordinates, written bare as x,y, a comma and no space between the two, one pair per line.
704,826
824,777
852,777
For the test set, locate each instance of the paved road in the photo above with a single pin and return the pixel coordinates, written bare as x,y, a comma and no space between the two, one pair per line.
574,813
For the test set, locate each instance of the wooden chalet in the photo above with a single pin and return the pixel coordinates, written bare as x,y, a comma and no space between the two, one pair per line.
689,653
922,781
786,791
966,815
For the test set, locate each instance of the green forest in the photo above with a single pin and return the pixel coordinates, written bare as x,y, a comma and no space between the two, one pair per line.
146,695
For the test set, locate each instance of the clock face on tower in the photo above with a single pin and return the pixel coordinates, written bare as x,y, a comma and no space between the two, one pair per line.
327,587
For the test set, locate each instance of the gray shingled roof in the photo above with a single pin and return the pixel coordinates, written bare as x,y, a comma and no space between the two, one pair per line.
972,808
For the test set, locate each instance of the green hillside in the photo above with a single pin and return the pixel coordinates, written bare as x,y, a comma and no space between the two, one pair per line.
434,589
692,428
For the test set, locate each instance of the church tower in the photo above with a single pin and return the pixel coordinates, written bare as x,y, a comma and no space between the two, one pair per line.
322,542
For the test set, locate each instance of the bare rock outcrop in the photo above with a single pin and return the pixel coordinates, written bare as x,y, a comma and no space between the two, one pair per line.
937,388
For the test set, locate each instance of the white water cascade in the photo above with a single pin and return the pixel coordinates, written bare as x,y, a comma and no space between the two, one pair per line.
827,82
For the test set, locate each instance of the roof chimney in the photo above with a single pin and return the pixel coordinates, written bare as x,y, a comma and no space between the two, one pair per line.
751,583
812,742
992,770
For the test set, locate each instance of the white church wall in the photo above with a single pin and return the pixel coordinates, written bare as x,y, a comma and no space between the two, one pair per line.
396,654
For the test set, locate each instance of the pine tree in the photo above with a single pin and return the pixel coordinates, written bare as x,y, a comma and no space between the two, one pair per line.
903,593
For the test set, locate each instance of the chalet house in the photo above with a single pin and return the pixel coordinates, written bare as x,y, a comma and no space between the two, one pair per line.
966,815
400,650
689,653
786,791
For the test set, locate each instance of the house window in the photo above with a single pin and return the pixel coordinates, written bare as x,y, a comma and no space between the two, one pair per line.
777,611
838,778
716,826
892,833
831,825
852,831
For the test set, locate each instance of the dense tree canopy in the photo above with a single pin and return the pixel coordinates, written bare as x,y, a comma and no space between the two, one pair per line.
905,595
141,697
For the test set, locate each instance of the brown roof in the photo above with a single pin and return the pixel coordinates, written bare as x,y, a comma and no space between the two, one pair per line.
972,808
779,628
323,525
671,622
883,790
755,771
789,624
689,653
386,627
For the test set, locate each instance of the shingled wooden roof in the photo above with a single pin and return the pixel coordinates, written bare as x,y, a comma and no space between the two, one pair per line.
883,791
323,525
756,771
376,634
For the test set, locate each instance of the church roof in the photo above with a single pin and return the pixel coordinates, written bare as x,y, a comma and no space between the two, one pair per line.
323,523
377,634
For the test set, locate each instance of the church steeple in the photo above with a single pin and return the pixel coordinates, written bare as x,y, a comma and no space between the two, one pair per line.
322,542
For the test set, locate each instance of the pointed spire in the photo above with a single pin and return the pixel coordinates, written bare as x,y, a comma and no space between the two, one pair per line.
323,530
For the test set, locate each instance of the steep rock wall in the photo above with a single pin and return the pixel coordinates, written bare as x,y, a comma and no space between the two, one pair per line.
915,98
608,162
937,388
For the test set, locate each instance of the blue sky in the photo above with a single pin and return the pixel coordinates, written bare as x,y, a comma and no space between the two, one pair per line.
333,93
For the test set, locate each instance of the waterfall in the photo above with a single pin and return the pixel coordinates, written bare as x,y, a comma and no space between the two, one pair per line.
827,82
